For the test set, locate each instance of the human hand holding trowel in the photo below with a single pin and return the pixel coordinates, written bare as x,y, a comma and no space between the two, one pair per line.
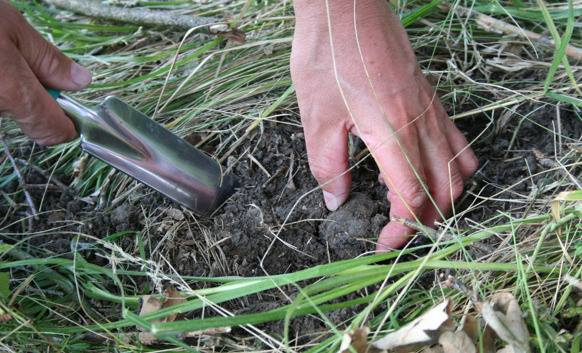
113,132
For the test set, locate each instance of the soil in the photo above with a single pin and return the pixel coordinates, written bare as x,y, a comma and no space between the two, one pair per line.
245,238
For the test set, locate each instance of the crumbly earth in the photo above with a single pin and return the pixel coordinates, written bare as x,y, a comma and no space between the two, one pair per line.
277,222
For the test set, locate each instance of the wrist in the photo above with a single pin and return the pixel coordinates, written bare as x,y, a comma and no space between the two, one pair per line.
315,12
318,8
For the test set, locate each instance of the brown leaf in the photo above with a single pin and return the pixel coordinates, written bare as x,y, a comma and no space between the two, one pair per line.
150,304
424,330
488,340
208,332
79,165
174,297
470,326
454,342
235,35
504,316
146,338
357,339
175,214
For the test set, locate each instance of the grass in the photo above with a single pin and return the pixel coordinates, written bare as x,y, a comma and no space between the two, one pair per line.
223,95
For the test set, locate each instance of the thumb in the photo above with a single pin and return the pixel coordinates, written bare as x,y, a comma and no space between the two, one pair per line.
52,68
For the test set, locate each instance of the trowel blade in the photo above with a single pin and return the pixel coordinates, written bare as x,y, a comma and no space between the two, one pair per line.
126,139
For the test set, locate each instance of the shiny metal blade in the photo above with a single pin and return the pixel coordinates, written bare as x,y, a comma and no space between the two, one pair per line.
128,140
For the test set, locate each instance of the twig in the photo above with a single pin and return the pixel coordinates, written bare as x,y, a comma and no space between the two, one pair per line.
148,338
455,283
235,145
17,171
277,173
408,223
434,234
552,163
491,24
254,160
138,16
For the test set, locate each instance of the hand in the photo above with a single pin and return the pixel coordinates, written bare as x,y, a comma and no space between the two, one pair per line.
411,137
27,63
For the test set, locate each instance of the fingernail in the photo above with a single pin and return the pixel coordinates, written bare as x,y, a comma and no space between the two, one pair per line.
331,201
381,179
80,75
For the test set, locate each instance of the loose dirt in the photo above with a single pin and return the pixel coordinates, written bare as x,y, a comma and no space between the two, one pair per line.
277,222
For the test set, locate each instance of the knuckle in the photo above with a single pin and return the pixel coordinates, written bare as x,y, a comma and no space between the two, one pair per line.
45,61
51,138
456,190
473,163
412,194
453,186
320,172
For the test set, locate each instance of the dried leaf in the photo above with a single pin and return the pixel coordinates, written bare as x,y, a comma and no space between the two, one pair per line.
175,214
454,342
146,338
235,35
357,339
79,166
174,297
488,340
150,304
504,316
424,330
470,326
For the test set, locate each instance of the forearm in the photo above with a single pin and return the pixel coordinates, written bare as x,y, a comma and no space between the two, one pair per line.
315,14
370,28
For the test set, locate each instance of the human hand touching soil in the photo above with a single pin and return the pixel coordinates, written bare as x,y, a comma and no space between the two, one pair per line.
365,79
27,62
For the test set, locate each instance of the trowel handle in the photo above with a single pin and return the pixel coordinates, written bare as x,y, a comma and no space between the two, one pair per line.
55,93
74,110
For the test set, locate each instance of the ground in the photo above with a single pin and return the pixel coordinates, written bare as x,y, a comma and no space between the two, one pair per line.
277,222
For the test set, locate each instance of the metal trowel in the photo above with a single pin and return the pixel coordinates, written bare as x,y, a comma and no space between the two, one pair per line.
126,139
